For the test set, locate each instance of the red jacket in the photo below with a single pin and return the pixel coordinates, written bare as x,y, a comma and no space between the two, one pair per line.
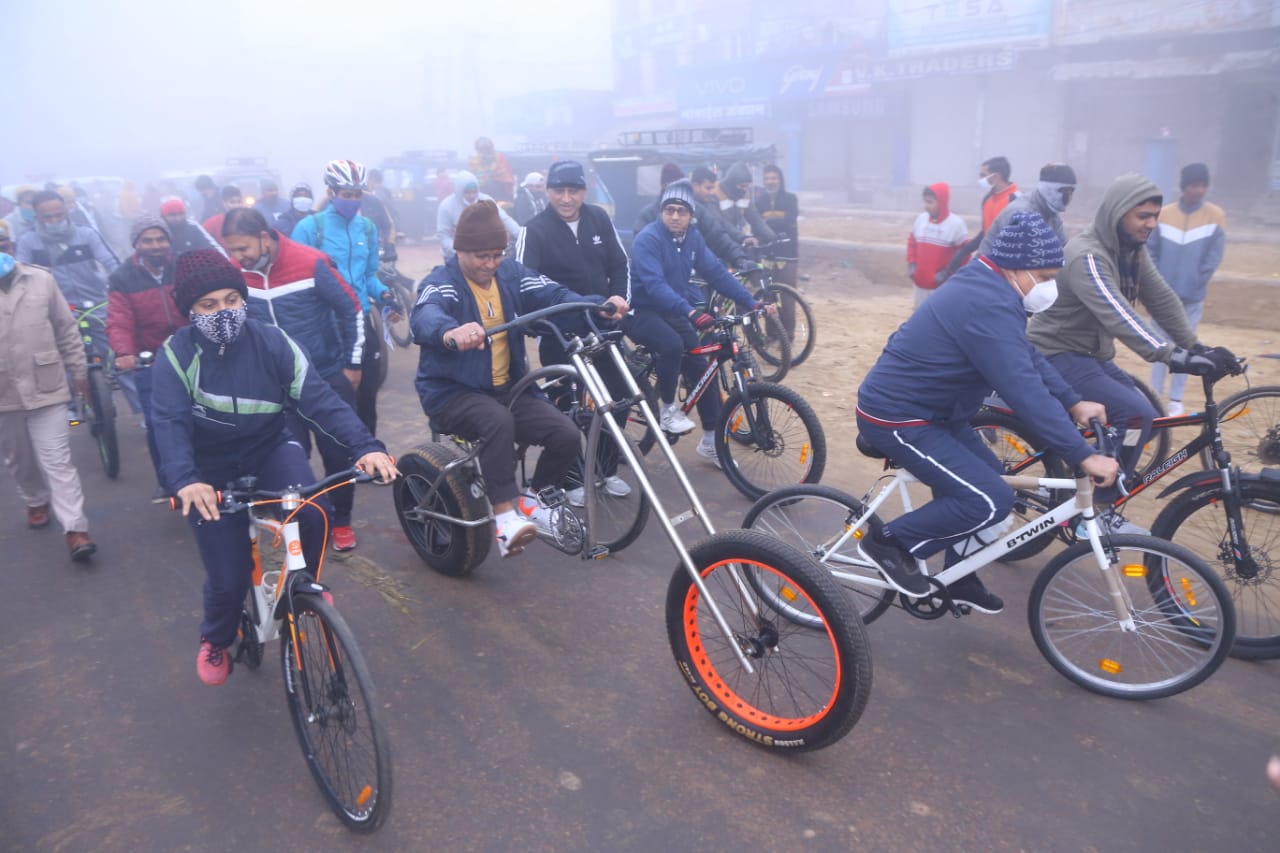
935,241
996,202
141,312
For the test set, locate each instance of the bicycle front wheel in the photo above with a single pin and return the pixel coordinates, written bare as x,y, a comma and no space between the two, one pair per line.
1197,520
814,519
1181,630
1250,424
103,424
809,687
335,713
397,322
775,440
794,316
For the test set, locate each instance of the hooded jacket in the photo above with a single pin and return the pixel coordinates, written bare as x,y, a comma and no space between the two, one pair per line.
661,267
1032,202
1188,246
39,342
301,294
934,241
141,312
218,412
443,374
352,246
75,263
781,211
451,208
1101,282
737,209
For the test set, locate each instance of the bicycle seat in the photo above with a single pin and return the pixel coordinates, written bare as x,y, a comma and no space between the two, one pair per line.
865,448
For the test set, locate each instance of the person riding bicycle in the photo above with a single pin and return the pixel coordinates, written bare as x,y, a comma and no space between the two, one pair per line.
221,387
141,314
465,384
576,245
915,404
665,315
351,242
1107,271
293,286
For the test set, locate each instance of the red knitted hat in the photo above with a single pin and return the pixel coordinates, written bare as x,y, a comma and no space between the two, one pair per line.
172,207
204,271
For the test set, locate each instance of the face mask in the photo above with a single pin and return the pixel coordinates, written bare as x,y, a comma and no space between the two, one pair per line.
984,183
744,203
1052,195
6,265
302,204
28,215
347,207
221,327
263,261
59,231
156,260
1042,295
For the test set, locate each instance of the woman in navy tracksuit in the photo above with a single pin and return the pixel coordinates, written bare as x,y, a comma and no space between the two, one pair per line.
220,387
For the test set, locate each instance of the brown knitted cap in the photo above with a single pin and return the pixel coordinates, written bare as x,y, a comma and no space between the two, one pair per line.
480,228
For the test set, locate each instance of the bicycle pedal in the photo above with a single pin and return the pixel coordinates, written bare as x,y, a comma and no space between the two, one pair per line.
958,610
599,552
552,496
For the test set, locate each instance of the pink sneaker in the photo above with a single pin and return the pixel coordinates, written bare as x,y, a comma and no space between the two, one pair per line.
344,538
213,664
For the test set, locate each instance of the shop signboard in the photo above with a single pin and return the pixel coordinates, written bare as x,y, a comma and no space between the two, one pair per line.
929,26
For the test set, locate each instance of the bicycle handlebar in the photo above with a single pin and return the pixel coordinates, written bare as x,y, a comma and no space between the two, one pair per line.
607,309
1107,440
244,493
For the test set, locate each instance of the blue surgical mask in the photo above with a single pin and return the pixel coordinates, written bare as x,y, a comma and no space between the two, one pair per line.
56,231
28,215
7,264
347,208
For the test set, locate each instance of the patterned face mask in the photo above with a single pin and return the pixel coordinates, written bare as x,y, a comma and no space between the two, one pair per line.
221,327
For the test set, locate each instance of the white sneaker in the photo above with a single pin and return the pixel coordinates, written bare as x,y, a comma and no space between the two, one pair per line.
541,516
514,533
1175,408
674,421
576,497
1110,522
617,487
707,450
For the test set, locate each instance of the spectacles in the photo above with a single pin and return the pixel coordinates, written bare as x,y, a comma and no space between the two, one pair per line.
488,257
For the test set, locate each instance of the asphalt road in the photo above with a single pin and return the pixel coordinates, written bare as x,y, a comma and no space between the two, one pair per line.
535,706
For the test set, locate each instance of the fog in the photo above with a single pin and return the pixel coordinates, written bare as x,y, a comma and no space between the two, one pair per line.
143,87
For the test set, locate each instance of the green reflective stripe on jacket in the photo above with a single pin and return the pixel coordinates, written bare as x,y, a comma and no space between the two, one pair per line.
299,369
189,374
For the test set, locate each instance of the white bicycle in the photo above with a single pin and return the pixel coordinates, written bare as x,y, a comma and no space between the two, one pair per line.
1125,615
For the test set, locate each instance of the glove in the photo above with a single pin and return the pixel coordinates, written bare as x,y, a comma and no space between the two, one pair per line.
1224,358
702,320
1186,361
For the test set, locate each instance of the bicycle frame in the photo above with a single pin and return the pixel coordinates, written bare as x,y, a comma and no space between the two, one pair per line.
1080,504
270,588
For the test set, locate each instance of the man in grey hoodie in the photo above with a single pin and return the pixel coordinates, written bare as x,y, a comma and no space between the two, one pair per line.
1049,199
466,192
1108,270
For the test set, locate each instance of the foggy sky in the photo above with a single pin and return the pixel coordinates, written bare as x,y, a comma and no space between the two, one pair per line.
109,87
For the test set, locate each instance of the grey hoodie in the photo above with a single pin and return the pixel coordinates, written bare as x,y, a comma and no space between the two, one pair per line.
1032,202
451,208
1101,282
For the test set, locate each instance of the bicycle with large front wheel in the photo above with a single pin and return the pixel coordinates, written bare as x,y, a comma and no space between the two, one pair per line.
1129,616
332,701
770,679
97,408
1228,516
766,435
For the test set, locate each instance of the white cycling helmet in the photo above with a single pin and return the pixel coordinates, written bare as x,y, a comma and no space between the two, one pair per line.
344,175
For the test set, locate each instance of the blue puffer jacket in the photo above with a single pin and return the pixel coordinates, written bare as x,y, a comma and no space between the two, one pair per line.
218,412
445,302
661,267
351,245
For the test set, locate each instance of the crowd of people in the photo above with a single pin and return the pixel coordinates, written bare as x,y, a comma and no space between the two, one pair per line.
261,321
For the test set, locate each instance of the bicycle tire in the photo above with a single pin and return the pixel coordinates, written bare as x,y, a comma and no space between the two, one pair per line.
1196,519
1250,423
1021,452
450,549
103,425
810,686
1074,624
803,326
400,331
1156,450
335,711
798,451
811,518
768,340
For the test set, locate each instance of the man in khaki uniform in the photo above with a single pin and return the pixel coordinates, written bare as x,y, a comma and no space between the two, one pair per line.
39,343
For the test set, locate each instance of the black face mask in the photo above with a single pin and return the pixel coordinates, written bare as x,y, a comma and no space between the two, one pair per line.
155,260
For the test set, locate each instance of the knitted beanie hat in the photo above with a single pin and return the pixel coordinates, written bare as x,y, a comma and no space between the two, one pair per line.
480,228
1026,243
142,223
204,271
172,207
670,172
678,192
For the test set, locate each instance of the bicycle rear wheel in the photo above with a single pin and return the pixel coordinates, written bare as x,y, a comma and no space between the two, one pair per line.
795,317
1156,450
449,548
103,422
1197,520
776,440
1021,453
769,341
620,507
1250,424
398,328
809,686
335,713
1182,627
812,519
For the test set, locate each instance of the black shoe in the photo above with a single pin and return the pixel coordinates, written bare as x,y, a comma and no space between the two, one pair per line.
898,567
971,591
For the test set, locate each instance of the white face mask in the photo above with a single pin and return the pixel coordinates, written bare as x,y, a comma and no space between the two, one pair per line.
984,183
1041,295
743,203
302,204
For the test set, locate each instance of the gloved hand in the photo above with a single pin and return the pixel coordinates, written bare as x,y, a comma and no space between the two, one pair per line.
702,320
1186,361
392,301
1224,358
